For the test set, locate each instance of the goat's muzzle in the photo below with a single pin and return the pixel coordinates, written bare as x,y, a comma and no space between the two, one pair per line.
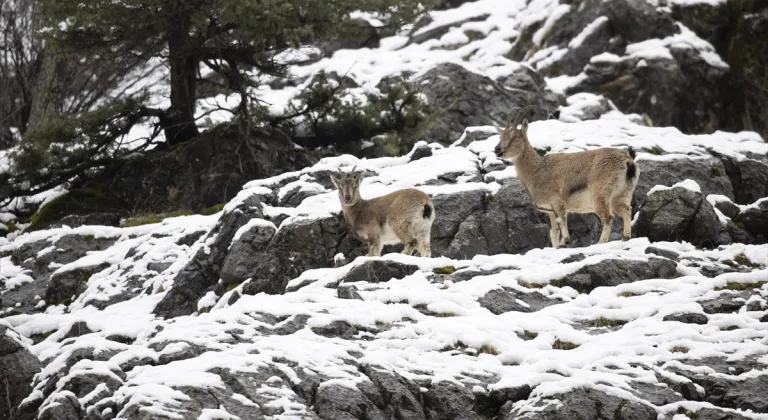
497,150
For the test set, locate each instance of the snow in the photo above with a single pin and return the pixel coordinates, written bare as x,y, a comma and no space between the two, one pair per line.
416,345
552,19
587,31
687,184
566,137
574,110
659,48
252,223
443,344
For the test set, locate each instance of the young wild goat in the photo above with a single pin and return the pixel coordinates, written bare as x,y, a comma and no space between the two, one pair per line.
598,181
403,216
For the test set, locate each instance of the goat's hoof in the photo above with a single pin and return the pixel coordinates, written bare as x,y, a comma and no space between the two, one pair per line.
626,238
566,241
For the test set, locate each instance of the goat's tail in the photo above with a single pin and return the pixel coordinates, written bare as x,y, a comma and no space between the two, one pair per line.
631,152
428,211
632,172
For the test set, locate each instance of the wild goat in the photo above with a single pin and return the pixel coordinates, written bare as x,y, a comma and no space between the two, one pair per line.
598,181
403,216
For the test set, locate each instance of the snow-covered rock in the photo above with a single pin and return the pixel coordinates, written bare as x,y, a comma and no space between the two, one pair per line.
250,313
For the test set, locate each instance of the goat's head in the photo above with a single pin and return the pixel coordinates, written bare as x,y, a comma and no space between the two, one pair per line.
348,184
512,138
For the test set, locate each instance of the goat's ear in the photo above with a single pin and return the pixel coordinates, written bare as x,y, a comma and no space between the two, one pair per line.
335,180
524,126
359,177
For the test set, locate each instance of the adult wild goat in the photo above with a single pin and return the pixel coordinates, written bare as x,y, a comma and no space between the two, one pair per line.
598,181
403,216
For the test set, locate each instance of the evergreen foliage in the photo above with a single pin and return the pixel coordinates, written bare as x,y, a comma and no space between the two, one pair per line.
241,41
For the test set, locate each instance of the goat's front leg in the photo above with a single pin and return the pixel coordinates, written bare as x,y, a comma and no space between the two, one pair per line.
554,230
374,246
561,215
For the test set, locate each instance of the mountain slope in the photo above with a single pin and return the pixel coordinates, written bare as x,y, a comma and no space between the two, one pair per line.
242,314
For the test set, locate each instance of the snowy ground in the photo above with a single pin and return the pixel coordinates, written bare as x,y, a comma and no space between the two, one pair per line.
426,327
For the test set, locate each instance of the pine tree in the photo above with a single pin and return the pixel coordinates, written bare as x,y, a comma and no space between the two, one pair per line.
240,40
229,36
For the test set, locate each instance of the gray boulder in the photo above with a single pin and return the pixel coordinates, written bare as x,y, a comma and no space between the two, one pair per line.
68,248
65,286
749,178
724,391
500,301
585,404
239,263
613,272
18,367
203,271
379,271
475,100
755,221
688,318
679,214
384,396
710,173
100,219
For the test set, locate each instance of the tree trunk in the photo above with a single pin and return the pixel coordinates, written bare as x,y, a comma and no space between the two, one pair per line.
184,66
47,90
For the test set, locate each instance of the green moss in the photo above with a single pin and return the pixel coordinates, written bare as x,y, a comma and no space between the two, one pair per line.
740,224
489,349
655,150
531,285
716,171
156,218
689,414
563,345
213,209
628,294
679,349
742,259
11,226
606,322
530,334
448,269
741,286
79,201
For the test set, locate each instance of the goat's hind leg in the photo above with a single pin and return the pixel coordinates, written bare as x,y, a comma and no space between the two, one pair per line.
422,235
560,211
409,241
623,208
605,213
374,246
554,230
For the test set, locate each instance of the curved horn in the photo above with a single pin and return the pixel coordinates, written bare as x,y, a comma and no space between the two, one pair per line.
521,114
509,117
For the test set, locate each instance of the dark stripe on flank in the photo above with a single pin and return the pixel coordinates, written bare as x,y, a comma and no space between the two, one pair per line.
572,189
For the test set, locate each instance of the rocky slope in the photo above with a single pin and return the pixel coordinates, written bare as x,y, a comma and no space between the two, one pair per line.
698,66
262,311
